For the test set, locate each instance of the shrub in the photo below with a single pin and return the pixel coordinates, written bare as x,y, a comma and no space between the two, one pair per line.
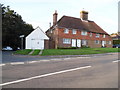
67,47
116,42
85,46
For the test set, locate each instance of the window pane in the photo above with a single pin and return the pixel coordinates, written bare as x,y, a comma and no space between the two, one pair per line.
104,36
66,30
73,31
84,42
67,41
84,33
97,41
97,35
90,34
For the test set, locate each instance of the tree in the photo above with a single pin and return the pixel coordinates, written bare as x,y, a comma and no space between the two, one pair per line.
12,27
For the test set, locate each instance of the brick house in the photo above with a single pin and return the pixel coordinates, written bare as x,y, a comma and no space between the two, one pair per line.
77,32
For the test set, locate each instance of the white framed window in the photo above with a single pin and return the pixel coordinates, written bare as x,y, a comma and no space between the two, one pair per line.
90,34
104,36
66,41
74,31
109,42
66,30
97,42
104,42
97,35
84,42
83,32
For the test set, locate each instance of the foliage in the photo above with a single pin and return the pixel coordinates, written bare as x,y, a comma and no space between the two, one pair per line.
67,47
116,42
83,46
12,27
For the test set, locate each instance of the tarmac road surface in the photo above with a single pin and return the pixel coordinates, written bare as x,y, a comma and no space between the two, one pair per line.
73,72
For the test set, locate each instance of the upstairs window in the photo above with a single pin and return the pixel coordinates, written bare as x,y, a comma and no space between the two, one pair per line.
104,36
66,31
84,33
74,31
91,34
97,35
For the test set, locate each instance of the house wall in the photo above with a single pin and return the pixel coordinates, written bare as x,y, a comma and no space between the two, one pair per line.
58,35
91,40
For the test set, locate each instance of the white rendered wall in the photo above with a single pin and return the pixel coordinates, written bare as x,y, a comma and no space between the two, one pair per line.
35,40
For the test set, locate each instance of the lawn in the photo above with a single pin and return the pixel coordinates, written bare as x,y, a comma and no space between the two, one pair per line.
23,52
36,52
82,51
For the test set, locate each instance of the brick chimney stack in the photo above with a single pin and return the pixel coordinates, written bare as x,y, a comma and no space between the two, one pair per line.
84,15
55,17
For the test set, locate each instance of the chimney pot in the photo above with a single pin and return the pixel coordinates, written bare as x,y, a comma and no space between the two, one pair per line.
84,15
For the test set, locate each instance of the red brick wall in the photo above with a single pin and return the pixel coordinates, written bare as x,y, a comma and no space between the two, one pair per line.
91,40
58,35
46,44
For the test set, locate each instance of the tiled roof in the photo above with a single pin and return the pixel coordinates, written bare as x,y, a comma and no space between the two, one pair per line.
77,23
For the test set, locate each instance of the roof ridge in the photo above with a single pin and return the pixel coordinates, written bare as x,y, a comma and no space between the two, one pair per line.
71,17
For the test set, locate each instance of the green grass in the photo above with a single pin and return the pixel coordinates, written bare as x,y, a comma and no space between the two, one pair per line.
23,52
36,52
82,51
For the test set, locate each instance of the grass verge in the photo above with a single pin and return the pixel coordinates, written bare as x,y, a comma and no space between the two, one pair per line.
23,52
82,51
36,52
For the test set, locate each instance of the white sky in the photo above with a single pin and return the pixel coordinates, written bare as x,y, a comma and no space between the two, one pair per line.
40,12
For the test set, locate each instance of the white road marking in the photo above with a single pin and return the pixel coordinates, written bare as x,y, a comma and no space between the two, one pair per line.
55,59
32,61
82,57
44,60
2,64
116,61
16,63
66,59
44,75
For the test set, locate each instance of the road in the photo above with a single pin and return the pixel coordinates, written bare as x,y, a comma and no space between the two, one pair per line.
7,57
73,72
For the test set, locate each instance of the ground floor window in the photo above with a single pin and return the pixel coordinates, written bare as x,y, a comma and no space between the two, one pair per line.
84,42
109,42
66,41
97,42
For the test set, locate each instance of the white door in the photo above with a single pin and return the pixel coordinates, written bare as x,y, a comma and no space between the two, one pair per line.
41,44
37,44
73,42
78,43
103,43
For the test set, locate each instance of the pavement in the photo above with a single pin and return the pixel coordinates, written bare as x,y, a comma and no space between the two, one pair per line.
96,71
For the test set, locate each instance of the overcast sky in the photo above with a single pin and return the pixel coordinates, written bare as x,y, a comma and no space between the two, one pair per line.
40,12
